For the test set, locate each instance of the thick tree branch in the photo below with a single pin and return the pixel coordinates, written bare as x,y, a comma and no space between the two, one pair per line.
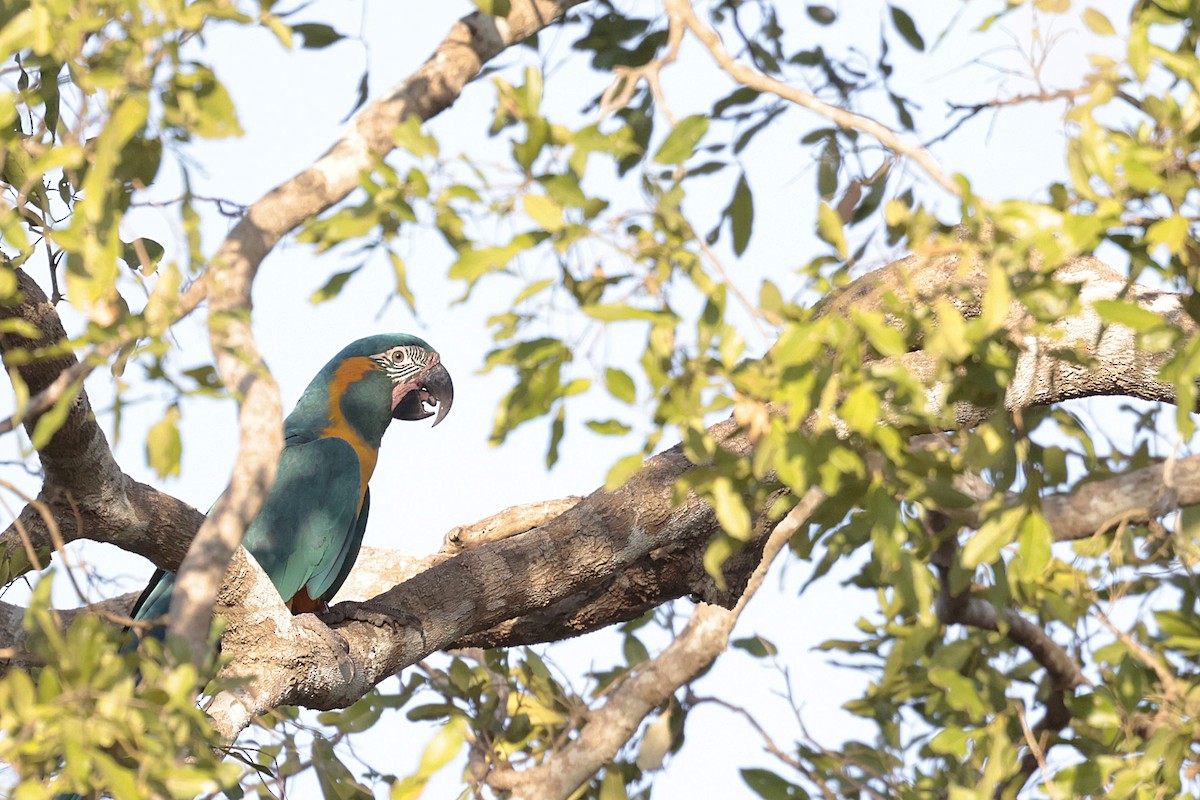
616,554
83,487
1133,498
1105,359
598,538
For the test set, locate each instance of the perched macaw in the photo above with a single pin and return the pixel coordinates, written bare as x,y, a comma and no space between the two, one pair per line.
307,534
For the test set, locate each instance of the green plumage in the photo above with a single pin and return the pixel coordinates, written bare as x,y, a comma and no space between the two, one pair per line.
307,535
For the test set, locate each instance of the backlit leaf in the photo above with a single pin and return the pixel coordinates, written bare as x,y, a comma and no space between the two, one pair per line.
682,140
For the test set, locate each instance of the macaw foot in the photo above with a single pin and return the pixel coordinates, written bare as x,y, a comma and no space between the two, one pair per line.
337,643
394,619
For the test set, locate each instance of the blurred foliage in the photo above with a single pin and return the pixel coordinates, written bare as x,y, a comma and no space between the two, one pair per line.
606,230
129,724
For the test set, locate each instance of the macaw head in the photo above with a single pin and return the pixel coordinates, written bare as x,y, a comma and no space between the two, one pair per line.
416,380
371,382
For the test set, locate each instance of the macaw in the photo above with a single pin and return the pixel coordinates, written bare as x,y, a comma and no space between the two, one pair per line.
308,532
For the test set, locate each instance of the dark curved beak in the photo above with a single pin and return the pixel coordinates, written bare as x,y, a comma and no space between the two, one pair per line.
435,389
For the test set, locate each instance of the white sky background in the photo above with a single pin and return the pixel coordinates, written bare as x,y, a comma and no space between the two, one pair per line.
427,481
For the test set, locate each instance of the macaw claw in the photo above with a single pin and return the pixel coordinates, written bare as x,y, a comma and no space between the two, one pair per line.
394,619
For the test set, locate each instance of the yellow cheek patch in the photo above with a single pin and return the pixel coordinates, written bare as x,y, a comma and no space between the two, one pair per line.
349,371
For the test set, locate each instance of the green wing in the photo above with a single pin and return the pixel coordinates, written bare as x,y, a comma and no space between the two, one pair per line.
309,528
154,602
308,532
325,585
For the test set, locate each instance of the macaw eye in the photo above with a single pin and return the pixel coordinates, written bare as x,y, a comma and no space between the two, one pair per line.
398,357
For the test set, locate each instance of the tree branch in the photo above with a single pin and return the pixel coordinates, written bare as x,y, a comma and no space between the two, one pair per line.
705,637
83,487
750,77
615,554
1065,673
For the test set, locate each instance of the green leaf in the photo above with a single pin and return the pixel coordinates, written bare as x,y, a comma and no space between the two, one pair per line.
442,748
334,777
50,421
1033,548
533,289
997,530
907,28
622,471
557,429
950,338
961,692
317,35
142,254
1123,312
827,168
332,287
608,427
620,385
361,94
822,15
887,340
545,212
1098,23
634,651
617,312
612,785
200,104
861,410
756,646
769,786
741,215
682,140
951,742
400,270
730,509
473,264
164,445
408,135
997,299
829,228
497,8
1172,232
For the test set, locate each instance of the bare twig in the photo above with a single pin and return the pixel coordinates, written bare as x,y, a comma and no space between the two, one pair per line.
510,522
1037,750
817,778
752,78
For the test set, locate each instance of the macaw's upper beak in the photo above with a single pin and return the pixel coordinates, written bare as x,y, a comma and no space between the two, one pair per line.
435,388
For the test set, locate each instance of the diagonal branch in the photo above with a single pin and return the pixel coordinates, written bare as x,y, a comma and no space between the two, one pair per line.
608,729
750,77
472,42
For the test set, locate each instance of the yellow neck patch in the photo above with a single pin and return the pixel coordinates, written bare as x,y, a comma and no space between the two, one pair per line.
349,371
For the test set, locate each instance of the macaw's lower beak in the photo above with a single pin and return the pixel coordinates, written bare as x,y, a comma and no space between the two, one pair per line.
434,388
